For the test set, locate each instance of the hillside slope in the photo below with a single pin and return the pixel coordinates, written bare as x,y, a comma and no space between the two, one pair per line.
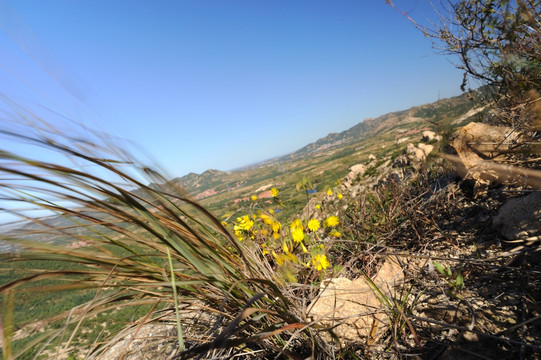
441,112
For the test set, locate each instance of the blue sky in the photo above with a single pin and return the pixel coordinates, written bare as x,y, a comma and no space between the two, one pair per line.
220,84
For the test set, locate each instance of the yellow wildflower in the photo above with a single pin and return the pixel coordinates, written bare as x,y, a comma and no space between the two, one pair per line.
331,221
264,249
329,192
318,206
297,230
279,258
239,235
335,233
266,219
291,257
340,196
297,223
282,258
244,223
254,198
271,211
225,224
274,192
276,226
285,248
314,225
297,234
320,262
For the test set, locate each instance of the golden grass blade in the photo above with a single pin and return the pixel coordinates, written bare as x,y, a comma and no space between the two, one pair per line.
174,286
6,325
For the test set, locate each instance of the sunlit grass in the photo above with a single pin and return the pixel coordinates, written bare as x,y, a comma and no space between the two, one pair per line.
138,242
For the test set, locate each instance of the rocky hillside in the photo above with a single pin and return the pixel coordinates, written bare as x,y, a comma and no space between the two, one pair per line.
441,112
452,261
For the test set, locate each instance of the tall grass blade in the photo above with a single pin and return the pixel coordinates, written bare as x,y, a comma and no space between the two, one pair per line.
6,325
179,328
133,234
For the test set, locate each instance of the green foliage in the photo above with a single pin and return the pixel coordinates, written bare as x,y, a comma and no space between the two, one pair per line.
453,278
498,45
304,185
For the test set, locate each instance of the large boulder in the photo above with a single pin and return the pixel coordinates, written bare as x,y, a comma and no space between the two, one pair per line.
150,342
353,307
479,147
477,142
520,217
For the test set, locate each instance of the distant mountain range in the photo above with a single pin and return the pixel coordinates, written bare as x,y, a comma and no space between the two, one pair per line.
438,111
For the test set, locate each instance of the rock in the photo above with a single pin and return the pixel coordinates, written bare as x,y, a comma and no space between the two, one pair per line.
354,171
470,336
401,161
427,149
402,139
520,217
357,169
352,305
157,340
356,190
371,157
476,143
485,141
412,150
151,342
309,211
420,152
403,167
428,135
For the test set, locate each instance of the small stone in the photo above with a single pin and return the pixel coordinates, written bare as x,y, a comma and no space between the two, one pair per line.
428,135
470,336
485,292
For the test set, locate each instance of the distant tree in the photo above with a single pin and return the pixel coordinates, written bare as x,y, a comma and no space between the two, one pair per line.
498,44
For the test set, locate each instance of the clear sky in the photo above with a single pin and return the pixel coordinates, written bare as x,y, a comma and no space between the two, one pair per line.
220,84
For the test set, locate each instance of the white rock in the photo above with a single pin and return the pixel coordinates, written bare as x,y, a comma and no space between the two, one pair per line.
428,135
354,306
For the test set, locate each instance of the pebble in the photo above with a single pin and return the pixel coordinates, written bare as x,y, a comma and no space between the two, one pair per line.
470,336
